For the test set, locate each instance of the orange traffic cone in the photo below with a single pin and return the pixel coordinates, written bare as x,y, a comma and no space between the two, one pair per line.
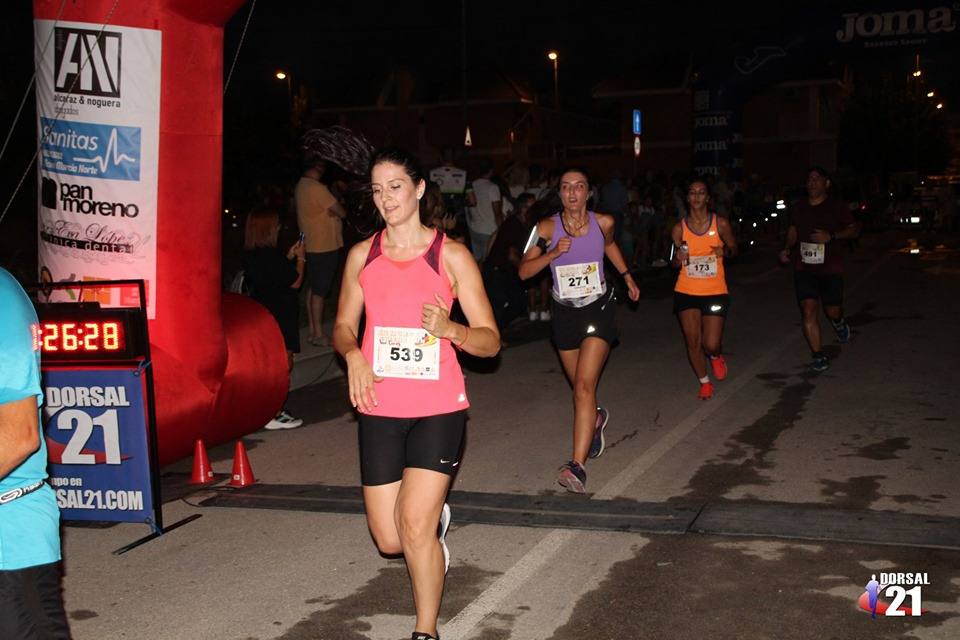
242,474
202,473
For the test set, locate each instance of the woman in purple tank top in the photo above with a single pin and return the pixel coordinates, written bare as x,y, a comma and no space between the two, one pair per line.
574,243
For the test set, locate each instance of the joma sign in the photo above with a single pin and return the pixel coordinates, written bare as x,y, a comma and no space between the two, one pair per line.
911,22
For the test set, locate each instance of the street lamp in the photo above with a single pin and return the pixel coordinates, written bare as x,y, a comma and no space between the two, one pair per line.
554,57
939,105
283,75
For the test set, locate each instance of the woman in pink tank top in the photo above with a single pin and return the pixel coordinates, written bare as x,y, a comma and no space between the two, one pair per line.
573,244
404,378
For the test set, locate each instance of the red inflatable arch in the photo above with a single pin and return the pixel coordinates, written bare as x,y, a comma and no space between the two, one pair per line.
219,359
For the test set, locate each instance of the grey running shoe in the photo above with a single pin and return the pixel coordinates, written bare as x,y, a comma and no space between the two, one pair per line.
283,420
573,477
599,443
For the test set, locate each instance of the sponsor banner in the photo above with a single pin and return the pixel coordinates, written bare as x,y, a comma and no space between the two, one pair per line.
98,108
96,428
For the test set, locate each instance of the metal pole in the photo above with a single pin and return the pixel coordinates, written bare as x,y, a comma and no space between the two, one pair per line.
556,85
463,59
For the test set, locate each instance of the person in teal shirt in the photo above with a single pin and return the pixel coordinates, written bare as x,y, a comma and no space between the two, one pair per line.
31,606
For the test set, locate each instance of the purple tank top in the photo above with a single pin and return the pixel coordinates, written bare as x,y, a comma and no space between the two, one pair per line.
583,250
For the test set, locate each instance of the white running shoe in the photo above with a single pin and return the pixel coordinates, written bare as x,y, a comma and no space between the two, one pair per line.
283,420
533,316
545,316
444,525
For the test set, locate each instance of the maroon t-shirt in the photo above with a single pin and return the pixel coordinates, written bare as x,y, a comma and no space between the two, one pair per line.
831,215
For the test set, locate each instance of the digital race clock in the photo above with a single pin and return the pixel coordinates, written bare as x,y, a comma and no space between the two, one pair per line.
70,332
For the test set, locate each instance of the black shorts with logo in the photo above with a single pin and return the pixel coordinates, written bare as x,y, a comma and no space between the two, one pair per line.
715,305
572,325
827,287
390,445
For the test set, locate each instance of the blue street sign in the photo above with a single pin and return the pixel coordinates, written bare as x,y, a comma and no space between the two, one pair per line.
636,123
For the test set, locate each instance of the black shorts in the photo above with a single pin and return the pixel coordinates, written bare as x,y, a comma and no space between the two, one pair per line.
827,287
390,445
31,605
715,305
321,270
571,325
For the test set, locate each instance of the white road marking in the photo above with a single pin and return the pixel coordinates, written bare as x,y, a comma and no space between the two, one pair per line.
458,627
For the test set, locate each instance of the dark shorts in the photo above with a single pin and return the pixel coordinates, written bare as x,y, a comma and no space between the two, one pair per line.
571,325
31,607
321,270
716,305
827,287
390,445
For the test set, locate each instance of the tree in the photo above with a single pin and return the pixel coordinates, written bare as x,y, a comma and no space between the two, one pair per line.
890,125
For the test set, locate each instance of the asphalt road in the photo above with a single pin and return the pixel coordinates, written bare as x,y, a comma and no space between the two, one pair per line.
761,513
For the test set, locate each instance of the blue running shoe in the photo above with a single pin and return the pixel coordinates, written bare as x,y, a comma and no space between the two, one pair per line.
842,329
820,363
599,443
573,477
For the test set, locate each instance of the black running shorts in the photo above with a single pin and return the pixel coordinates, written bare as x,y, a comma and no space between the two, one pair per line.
321,271
572,325
31,605
827,287
390,445
715,305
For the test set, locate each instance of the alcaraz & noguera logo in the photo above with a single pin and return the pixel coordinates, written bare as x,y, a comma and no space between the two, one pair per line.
91,150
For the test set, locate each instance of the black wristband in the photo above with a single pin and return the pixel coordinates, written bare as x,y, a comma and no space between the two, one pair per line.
624,274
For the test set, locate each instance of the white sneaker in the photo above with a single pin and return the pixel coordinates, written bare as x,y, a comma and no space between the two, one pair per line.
283,420
545,316
533,316
445,519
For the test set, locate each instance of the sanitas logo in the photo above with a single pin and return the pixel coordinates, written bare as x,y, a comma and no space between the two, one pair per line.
75,198
896,23
87,62
90,150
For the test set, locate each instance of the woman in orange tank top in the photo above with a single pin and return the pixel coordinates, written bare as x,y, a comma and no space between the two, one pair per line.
404,380
700,300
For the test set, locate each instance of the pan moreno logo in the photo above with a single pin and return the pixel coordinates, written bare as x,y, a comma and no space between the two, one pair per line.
109,152
80,198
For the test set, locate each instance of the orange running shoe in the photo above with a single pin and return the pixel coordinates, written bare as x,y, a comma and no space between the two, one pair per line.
706,391
719,366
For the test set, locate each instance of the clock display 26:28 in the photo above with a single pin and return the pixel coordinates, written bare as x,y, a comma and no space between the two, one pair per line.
86,337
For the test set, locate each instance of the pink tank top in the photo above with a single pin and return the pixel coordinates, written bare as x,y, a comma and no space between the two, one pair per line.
393,297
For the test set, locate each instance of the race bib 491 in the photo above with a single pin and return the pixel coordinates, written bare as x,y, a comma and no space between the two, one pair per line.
812,253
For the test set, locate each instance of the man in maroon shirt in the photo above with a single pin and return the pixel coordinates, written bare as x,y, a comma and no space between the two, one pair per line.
816,224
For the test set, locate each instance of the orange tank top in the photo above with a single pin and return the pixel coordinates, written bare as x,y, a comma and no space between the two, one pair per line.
421,375
704,275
